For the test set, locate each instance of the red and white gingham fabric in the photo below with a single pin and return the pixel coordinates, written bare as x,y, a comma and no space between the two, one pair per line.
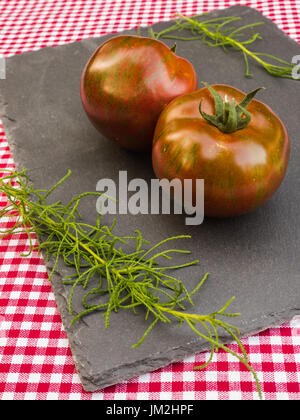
35,357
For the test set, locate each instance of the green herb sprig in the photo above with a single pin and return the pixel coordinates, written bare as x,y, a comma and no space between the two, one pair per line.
216,32
125,280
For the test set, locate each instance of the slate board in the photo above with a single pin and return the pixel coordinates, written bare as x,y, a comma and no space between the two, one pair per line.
254,257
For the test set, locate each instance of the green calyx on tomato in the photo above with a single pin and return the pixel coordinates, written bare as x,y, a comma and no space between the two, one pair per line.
229,116
127,83
241,169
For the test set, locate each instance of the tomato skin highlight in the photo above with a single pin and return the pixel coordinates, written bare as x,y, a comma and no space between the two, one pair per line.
126,84
241,170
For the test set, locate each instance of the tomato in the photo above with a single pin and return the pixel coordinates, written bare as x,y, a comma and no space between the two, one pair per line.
242,152
126,84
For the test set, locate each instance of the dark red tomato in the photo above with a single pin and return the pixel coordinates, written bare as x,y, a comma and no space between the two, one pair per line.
127,83
242,166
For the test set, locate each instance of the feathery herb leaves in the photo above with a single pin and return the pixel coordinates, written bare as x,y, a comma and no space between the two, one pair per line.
216,32
127,279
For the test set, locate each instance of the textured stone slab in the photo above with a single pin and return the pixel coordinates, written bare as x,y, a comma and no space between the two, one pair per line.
254,257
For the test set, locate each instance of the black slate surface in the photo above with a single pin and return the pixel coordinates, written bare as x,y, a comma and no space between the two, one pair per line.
254,257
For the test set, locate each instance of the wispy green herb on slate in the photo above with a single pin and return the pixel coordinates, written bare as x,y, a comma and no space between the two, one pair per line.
218,32
125,280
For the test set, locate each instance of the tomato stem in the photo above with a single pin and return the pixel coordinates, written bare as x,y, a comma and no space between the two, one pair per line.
229,116
173,49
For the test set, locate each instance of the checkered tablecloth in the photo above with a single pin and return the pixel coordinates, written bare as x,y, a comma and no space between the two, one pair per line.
35,357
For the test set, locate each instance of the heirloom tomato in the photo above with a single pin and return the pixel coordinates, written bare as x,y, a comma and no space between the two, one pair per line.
237,144
126,84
